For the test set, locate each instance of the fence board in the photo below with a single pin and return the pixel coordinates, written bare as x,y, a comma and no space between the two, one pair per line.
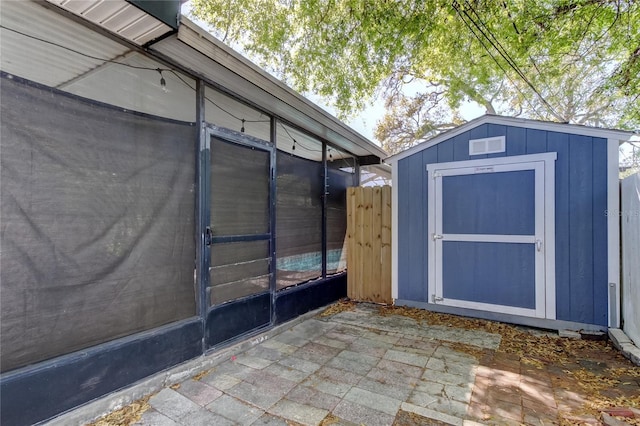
369,244
630,222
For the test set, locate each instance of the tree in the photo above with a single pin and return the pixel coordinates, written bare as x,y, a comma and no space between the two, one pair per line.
562,60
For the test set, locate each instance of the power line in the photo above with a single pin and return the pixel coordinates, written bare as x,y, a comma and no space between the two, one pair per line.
501,51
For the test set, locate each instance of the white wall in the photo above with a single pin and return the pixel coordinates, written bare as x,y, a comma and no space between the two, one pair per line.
630,221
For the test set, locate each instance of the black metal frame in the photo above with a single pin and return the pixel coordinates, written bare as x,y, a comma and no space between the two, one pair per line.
246,315
60,384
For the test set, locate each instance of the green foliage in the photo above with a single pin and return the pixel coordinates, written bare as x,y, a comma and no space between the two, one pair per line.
560,60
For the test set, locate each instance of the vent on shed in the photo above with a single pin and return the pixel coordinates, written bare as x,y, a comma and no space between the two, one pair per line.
487,145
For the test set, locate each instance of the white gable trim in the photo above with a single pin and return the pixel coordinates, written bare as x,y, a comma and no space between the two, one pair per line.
573,129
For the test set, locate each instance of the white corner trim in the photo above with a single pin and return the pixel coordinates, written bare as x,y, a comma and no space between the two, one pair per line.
394,231
550,237
613,232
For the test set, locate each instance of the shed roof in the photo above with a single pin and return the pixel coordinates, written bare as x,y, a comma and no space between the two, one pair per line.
577,129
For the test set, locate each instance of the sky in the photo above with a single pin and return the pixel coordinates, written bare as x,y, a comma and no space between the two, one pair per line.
365,121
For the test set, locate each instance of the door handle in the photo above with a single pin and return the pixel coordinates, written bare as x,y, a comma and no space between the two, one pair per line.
208,236
539,245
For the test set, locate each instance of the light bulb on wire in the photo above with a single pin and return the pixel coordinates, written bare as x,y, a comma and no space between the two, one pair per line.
163,82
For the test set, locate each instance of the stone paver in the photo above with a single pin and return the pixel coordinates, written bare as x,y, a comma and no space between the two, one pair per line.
235,410
357,367
361,415
373,400
305,414
199,392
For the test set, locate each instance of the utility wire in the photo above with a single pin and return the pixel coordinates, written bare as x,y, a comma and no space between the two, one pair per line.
137,67
111,61
501,51
160,70
482,43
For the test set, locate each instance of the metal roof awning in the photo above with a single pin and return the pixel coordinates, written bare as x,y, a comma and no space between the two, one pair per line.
140,23
198,51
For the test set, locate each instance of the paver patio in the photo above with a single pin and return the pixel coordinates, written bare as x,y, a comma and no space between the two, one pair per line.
358,367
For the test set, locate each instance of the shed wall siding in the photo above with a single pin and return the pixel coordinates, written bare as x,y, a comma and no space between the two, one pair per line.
581,222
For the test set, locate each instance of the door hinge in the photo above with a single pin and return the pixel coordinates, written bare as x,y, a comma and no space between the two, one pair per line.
436,236
436,299
436,174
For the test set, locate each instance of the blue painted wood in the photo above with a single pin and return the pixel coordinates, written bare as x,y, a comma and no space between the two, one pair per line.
580,228
496,273
516,141
559,143
479,132
536,141
417,230
445,151
496,130
489,203
404,229
461,148
580,198
429,156
599,227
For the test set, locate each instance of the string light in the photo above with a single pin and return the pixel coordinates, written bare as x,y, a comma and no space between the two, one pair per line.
163,85
295,142
163,82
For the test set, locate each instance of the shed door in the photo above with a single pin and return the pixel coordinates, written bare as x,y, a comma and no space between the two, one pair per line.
487,232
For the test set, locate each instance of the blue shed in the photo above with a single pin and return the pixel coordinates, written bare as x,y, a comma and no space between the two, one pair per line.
512,220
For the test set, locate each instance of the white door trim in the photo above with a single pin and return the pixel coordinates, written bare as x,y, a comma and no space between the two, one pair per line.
544,167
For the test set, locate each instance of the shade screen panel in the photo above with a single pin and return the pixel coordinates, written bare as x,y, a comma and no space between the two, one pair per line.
97,236
298,220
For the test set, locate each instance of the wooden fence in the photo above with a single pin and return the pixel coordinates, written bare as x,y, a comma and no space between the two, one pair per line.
630,222
369,244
